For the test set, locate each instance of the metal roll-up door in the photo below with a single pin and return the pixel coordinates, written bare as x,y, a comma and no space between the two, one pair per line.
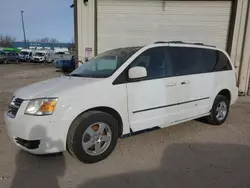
123,23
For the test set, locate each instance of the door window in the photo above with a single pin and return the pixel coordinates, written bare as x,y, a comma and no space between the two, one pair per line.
186,60
155,61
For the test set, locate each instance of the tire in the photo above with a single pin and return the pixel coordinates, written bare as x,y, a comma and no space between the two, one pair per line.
5,61
80,127
213,118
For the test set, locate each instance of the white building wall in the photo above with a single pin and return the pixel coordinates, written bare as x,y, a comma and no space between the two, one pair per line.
85,37
245,64
238,37
85,30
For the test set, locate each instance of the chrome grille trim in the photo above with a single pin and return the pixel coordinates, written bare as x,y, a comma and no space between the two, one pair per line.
14,107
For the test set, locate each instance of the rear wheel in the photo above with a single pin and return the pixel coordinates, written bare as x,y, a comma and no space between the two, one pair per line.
92,136
219,112
5,61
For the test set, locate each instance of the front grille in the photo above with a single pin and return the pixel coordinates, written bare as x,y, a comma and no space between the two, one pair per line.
14,107
36,59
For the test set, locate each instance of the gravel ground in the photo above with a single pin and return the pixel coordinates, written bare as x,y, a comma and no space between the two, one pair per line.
191,155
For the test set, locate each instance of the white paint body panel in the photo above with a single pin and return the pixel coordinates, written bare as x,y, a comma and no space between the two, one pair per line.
152,94
123,23
77,95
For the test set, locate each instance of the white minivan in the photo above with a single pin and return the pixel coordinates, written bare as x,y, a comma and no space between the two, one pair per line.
119,93
43,56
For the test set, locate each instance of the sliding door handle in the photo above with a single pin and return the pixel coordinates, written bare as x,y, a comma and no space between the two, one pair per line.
185,82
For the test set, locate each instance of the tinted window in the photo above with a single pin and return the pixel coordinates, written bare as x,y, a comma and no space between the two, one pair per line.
197,60
222,62
155,61
24,53
9,54
186,60
208,60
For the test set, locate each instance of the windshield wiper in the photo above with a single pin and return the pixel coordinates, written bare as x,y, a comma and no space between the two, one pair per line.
75,75
87,76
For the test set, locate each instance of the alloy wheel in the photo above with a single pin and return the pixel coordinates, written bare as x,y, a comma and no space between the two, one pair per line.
96,139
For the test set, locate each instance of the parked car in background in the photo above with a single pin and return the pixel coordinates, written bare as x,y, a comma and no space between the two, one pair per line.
119,93
43,56
8,57
62,56
26,55
66,65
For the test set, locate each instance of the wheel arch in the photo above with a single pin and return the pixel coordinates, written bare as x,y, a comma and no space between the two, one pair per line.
226,93
109,111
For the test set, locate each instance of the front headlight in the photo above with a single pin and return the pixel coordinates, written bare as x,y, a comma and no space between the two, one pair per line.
41,107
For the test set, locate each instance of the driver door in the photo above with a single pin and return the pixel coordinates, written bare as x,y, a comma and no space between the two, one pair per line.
153,101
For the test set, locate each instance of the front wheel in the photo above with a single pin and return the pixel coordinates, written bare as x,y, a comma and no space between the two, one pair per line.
5,61
92,136
219,111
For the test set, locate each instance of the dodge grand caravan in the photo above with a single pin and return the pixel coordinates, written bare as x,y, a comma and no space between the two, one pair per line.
121,92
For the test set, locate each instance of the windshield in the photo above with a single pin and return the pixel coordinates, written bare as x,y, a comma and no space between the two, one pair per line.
40,54
24,53
105,64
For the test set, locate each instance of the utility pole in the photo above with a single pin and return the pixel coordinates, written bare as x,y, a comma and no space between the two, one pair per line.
24,36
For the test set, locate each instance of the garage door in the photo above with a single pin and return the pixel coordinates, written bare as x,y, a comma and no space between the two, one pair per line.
123,23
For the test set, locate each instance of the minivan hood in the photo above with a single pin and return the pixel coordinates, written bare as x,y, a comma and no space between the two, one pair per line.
53,87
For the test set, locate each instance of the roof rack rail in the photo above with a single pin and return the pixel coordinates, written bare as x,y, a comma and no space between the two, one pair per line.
181,42
159,42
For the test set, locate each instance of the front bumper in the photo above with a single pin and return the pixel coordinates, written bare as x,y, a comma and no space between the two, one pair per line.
36,134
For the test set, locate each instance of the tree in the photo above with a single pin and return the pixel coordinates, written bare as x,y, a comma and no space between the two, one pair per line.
53,40
48,40
45,39
6,40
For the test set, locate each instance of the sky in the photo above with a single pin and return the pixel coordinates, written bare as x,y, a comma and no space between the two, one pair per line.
42,18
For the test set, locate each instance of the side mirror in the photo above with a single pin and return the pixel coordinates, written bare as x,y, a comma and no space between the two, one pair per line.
136,73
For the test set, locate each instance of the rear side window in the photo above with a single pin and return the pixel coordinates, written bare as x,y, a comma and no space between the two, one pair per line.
186,60
223,63
191,60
